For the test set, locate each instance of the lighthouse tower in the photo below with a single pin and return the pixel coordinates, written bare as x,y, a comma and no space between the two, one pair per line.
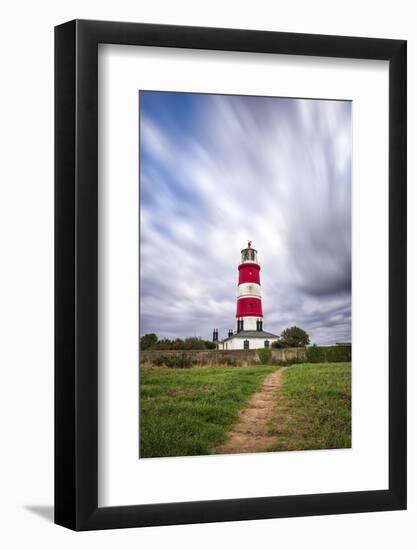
249,301
250,333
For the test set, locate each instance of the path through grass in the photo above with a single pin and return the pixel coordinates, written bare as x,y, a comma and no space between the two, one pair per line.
188,411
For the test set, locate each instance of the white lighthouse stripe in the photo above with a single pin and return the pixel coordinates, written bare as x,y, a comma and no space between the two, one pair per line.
249,285
249,323
249,289
250,296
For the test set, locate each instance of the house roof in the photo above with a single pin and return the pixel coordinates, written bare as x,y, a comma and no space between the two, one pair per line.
251,334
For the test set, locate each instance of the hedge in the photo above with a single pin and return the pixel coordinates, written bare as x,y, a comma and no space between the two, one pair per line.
328,354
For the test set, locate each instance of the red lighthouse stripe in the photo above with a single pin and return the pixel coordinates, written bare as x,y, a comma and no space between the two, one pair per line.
249,273
249,307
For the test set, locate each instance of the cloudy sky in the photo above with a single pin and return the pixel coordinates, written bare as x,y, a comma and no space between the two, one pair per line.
216,171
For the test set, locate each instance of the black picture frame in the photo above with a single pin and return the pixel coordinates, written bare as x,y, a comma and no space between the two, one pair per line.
76,272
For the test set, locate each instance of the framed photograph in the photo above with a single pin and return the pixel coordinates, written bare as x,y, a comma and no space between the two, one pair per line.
230,275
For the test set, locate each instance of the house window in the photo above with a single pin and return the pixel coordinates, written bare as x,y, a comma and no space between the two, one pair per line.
246,344
266,344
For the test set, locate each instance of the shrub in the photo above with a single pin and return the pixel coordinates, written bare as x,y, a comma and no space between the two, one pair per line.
209,344
264,355
329,354
279,344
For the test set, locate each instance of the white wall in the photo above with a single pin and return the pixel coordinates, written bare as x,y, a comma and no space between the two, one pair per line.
254,343
249,322
26,301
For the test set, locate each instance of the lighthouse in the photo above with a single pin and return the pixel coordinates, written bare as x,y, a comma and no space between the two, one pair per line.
249,301
249,317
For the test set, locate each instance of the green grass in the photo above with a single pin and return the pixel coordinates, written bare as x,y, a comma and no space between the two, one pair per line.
314,408
186,412
189,411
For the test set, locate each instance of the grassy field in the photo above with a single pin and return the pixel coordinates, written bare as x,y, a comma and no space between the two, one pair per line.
314,408
187,411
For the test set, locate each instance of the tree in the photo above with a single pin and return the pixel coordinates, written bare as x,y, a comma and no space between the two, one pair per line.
295,337
177,344
151,341
148,340
165,343
193,342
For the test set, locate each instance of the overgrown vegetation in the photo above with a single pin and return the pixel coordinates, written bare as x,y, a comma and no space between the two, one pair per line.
225,360
180,361
313,408
150,342
187,412
331,354
265,355
186,360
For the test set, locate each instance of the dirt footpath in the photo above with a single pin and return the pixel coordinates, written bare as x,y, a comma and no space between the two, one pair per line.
250,433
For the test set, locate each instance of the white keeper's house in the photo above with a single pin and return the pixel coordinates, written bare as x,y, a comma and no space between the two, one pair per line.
250,333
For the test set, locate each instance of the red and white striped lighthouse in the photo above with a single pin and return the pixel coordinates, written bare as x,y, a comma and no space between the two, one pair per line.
250,333
249,301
